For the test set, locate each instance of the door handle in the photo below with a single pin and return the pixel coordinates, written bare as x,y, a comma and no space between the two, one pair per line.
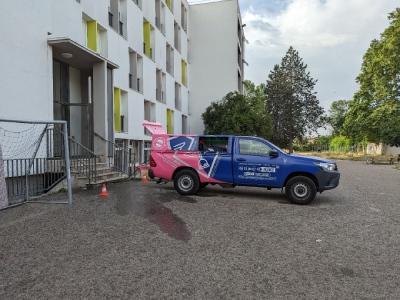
240,159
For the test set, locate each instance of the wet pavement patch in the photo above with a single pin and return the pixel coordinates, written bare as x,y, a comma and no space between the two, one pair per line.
153,209
206,195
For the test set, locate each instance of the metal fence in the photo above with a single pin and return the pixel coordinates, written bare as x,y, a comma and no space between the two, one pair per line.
327,147
35,158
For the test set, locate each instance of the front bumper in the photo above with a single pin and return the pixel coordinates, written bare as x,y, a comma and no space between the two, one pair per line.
327,180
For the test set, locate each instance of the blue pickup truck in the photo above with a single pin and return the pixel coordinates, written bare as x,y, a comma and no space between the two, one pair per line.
194,161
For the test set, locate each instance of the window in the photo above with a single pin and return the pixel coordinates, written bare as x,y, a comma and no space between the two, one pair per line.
138,3
170,59
183,17
184,125
124,111
213,144
159,87
94,36
102,41
139,74
146,152
177,37
178,101
117,15
160,15
253,147
84,33
135,70
149,114
113,13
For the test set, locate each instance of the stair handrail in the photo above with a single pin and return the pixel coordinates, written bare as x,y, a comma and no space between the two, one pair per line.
114,160
83,160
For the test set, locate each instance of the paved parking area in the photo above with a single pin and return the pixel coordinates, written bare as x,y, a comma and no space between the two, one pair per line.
145,241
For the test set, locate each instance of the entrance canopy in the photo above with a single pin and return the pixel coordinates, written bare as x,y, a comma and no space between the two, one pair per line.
76,55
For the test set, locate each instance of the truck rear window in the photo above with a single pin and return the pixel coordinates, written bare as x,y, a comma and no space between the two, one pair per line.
213,144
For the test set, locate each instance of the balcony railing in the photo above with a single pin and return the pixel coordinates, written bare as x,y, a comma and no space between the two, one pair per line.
121,28
110,19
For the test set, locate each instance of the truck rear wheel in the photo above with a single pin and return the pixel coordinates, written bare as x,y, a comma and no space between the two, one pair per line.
186,182
301,190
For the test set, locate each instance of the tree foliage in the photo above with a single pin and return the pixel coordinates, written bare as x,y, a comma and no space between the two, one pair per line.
337,115
291,101
238,114
339,142
374,113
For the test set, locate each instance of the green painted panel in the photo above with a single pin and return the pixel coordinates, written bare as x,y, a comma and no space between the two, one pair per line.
92,38
146,38
169,120
117,109
183,72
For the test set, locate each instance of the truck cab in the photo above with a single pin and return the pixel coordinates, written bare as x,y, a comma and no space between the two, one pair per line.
193,161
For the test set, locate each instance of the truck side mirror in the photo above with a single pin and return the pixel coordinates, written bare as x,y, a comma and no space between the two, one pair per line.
274,153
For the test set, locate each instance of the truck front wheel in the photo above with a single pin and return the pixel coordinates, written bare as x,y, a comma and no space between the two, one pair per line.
300,190
186,182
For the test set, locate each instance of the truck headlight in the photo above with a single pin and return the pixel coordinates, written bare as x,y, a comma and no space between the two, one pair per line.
326,166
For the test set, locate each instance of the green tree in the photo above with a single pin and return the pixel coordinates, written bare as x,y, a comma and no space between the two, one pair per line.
237,114
340,143
337,115
251,90
291,101
374,113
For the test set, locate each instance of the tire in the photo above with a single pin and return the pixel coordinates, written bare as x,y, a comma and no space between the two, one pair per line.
300,190
186,182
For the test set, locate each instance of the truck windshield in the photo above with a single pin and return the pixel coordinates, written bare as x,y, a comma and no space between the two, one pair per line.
276,147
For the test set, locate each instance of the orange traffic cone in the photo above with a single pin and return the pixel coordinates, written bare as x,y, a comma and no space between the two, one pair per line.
144,178
104,191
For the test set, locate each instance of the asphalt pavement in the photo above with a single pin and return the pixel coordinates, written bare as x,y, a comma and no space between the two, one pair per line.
145,241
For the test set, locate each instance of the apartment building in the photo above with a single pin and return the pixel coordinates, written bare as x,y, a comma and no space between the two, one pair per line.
105,65
216,55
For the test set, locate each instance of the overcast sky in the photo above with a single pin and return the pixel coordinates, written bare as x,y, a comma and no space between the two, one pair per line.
331,37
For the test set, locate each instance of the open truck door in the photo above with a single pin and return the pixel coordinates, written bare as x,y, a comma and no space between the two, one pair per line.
154,128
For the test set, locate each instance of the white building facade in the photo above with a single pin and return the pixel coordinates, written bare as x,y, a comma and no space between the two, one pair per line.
106,65
216,55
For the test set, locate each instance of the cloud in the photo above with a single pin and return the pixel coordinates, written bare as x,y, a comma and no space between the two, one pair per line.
331,37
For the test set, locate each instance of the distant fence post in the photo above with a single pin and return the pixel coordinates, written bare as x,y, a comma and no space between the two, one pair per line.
3,190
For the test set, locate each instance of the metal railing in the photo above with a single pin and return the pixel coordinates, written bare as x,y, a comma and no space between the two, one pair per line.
110,19
83,160
43,174
118,158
